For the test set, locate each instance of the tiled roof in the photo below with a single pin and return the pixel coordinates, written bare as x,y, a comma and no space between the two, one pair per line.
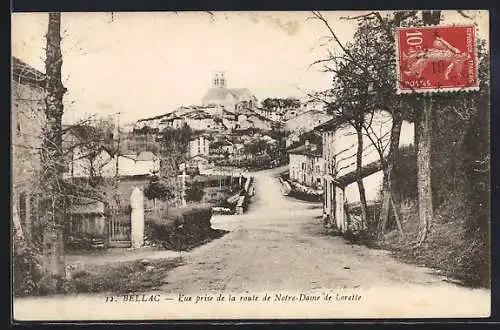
198,114
306,150
330,125
145,155
155,117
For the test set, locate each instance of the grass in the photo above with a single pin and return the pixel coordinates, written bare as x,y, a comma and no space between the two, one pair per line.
118,277
124,277
448,249
187,243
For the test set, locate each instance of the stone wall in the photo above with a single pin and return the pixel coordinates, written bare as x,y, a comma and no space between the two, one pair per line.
27,122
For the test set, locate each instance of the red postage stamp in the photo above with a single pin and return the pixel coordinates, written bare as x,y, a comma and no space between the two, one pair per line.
436,59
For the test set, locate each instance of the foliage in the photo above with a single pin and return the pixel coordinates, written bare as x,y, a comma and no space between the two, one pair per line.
311,136
305,193
174,143
182,228
146,130
125,277
194,192
156,189
404,174
27,271
449,249
280,103
457,240
256,146
134,142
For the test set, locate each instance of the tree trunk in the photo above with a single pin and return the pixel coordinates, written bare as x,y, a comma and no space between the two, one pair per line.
386,198
52,153
359,178
396,215
397,122
424,131
18,238
423,127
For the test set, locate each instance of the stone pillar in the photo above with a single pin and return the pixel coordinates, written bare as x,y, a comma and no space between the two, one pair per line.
339,208
137,218
53,250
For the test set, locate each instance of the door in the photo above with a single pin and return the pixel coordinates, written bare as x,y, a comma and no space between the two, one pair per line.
119,226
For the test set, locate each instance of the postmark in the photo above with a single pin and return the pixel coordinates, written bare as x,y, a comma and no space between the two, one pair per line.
436,59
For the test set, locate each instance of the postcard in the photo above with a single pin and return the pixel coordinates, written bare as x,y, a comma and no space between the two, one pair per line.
250,165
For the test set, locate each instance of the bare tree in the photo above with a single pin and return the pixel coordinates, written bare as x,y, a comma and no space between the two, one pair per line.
373,62
52,153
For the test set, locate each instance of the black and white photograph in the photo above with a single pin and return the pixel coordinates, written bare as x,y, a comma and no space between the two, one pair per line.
211,165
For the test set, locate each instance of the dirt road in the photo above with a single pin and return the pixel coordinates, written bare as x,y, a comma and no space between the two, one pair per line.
279,248
280,244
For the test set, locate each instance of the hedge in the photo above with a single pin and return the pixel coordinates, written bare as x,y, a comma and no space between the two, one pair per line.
180,228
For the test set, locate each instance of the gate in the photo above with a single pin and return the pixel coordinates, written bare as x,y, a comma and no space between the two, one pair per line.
119,227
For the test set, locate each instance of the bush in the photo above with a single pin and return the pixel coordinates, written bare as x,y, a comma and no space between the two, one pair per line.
182,228
157,190
404,174
448,248
471,261
27,272
194,192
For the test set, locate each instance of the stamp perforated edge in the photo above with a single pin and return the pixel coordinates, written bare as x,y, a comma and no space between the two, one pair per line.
434,90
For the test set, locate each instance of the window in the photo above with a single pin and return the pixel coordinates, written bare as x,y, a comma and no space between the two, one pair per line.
304,166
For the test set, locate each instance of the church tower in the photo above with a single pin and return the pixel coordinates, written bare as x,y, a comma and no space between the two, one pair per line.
219,80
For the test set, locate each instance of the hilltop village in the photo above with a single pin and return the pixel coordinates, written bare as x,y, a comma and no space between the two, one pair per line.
294,185
230,127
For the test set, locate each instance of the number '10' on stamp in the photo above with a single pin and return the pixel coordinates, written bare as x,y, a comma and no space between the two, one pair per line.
436,59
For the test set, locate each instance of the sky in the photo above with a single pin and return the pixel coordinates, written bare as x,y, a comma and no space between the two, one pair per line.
145,64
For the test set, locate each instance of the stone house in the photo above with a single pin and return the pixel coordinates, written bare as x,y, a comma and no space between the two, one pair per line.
153,123
200,120
174,121
229,98
339,142
27,123
306,165
199,162
199,146
306,121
